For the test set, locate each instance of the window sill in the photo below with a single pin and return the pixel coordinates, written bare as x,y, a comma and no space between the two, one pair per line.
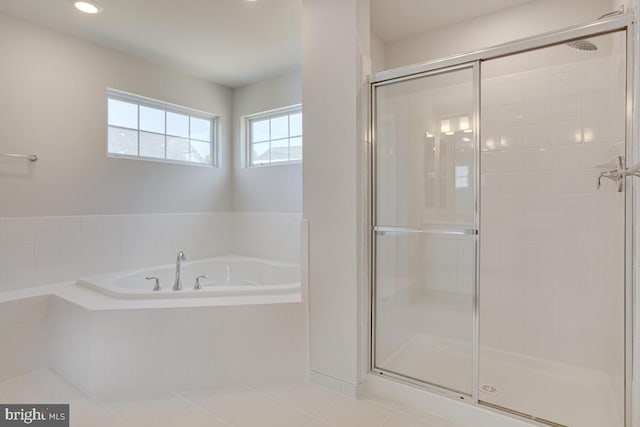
158,160
274,164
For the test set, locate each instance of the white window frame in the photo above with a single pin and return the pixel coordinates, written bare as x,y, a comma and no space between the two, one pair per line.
246,137
167,108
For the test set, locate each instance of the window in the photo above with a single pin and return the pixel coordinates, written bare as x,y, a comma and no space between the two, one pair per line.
142,128
462,176
274,137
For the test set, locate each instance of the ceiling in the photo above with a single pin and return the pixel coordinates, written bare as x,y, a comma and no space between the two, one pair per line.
231,42
393,20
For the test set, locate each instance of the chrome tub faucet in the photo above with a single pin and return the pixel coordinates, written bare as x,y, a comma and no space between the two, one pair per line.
177,286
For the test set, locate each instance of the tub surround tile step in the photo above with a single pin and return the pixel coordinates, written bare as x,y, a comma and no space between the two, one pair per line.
109,352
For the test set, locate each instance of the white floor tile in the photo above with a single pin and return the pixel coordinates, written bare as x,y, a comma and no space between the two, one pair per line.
402,419
308,398
85,412
280,405
247,408
347,412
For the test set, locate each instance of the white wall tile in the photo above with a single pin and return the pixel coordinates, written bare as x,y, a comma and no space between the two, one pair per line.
41,250
567,82
511,92
567,107
567,157
3,256
70,229
19,265
537,159
111,227
538,111
537,88
91,228
512,115
547,233
18,231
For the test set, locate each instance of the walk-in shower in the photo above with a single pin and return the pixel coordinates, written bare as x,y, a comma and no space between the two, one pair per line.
501,272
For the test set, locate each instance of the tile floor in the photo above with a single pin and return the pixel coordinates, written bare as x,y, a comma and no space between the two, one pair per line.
285,405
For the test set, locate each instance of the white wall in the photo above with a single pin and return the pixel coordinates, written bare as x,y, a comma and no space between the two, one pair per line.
378,54
53,104
273,188
334,61
526,20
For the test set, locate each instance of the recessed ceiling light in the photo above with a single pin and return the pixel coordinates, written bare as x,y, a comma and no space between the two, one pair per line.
88,6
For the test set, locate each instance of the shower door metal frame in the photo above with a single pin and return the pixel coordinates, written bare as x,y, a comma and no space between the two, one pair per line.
625,22
466,231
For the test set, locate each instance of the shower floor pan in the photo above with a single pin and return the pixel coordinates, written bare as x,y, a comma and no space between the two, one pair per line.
565,394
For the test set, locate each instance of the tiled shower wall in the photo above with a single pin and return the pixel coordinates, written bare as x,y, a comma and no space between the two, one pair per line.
552,245
44,250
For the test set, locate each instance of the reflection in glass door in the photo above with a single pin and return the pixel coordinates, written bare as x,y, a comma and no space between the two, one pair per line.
552,271
425,228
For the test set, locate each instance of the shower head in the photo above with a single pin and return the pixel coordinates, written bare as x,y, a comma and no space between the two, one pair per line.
582,44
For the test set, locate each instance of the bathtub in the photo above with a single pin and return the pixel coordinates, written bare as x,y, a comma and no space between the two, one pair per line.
226,276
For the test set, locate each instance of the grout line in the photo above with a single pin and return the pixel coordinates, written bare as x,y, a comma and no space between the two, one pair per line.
288,405
386,418
190,402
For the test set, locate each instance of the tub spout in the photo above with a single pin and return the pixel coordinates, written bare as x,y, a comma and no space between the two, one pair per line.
177,286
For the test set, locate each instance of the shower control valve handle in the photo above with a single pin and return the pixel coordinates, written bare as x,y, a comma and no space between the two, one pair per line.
156,287
197,286
618,174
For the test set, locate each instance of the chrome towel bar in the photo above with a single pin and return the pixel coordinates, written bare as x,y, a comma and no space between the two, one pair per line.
31,157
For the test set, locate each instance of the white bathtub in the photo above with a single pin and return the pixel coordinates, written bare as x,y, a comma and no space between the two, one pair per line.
226,276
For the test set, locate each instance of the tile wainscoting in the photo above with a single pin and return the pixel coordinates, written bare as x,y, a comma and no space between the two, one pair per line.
37,251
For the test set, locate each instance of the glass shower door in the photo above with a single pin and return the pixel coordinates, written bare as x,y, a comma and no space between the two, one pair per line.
552,270
424,228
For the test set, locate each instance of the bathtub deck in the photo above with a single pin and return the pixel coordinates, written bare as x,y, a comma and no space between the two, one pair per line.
94,300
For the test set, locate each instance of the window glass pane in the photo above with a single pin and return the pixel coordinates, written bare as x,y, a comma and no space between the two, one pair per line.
122,113
200,129
177,124
280,127
151,119
260,153
151,145
200,152
280,150
177,148
295,152
295,124
123,141
259,130
141,128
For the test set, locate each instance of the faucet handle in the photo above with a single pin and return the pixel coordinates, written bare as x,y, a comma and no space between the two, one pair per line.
197,285
156,287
